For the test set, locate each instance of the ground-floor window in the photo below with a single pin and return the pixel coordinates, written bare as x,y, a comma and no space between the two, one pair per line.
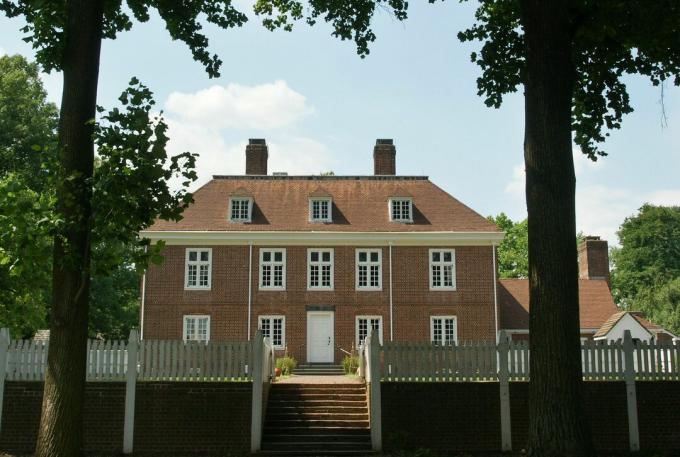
443,330
274,328
364,324
196,328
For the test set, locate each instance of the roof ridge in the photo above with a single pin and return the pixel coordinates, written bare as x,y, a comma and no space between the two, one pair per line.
322,178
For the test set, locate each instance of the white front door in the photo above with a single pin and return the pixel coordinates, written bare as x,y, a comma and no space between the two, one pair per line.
320,338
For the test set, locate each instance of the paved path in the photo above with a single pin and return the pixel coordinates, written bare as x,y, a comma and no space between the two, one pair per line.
311,379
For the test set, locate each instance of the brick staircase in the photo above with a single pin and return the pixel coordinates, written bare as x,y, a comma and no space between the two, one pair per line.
317,419
319,369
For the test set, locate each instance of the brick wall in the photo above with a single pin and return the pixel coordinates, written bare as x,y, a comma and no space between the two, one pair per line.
605,406
191,418
102,418
659,414
473,302
445,417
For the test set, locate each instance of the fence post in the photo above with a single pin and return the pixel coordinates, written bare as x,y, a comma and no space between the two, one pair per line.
504,383
4,346
631,394
130,391
376,409
256,412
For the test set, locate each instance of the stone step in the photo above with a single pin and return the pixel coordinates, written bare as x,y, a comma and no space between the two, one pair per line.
316,453
314,430
343,386
273,417
364,437
305,408
295,423
316,390
303,396
318,446
297,403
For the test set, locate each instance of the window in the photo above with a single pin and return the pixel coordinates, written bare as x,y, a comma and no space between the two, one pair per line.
274,327
369,269
273,269
198,269
443,330
401,210
364,324
320,210
240,209
320,269
442,269
197,328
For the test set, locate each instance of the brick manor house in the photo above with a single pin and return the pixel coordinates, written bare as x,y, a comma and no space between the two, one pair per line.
316,261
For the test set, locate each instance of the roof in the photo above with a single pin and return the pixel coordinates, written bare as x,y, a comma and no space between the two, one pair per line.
615,318
596,304
280,203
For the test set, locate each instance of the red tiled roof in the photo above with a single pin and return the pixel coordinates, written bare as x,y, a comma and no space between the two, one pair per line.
359,205
596,304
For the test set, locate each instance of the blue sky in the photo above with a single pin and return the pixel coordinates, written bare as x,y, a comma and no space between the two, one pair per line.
321,107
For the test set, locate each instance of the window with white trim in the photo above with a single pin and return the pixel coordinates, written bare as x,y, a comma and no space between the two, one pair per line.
198,268
366,323
240,209
443,330
273,269
401,210
320,269
274,327
320,210
196,328
442,269
369,269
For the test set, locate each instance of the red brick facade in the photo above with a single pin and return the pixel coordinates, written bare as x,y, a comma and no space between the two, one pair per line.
166,300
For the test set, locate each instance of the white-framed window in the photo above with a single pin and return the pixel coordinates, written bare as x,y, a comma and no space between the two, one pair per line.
442,269
366,323
443,330
319,269
198,268
369,269
274,327
401,209
240,209
196,328
320,209
273,269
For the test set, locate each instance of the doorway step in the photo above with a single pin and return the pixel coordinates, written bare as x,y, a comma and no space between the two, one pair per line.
319,369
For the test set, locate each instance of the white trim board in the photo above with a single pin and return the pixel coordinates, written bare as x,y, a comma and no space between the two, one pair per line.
324,238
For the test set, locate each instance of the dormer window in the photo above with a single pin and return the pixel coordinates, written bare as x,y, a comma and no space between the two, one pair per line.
401,209
240,209
320,209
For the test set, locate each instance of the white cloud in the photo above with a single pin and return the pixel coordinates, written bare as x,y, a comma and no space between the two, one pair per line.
261,107
600,209
2,51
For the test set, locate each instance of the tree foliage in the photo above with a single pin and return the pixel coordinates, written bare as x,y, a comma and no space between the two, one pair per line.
610,39
513,251
646,274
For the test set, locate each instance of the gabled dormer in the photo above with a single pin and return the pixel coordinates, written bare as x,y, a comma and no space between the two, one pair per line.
241,206
400,206
320,206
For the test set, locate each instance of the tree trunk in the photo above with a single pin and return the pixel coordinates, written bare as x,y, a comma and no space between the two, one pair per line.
60,432
557,423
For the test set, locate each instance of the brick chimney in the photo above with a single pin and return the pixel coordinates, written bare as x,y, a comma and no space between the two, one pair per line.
593,259
256,157
384,162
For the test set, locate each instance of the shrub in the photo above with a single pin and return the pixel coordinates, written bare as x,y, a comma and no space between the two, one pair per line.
350,364
286,364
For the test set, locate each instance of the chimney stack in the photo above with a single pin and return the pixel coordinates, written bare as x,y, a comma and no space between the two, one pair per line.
593,259
384,161
256,156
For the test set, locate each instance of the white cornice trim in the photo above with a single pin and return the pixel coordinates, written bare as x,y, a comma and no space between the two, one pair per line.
318,238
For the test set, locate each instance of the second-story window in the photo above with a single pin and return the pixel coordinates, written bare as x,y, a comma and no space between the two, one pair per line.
240,209
320,210
442,269
197,269
320,269
401,210
273,269
369,269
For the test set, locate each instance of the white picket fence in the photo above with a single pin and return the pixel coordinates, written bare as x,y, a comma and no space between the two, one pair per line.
479,361
158,360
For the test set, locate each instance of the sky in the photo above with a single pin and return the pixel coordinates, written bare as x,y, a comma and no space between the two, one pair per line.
321,107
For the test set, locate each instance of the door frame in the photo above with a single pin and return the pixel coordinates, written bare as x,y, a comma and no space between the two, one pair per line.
309,334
